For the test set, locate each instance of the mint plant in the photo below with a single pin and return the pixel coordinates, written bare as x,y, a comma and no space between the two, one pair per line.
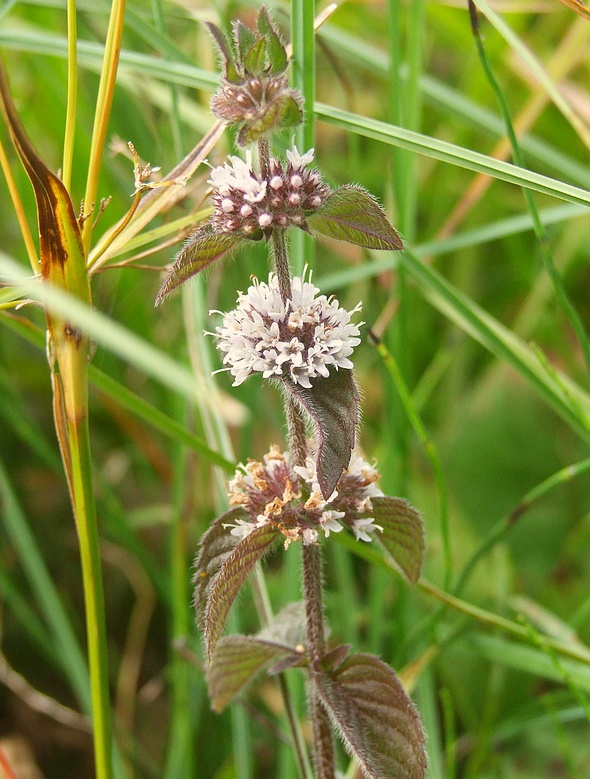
285,330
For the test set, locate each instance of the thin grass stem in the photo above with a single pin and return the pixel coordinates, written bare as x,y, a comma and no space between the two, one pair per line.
104,101
21,216
540,232
82,495
72,99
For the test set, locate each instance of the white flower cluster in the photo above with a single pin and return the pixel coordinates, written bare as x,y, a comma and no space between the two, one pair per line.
299,339
246,203
271,494
239,175
353,493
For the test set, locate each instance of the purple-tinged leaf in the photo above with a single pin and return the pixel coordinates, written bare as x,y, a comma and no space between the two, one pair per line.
215,546
226,584
231,73
332,404
403,534
352,214
375,717
236,660
200,250
335,657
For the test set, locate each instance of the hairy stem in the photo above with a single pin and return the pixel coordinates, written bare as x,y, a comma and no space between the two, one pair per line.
323,745
323,742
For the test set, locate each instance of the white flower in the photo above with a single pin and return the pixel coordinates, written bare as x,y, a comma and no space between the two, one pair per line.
299,160
329,521
241,528
362,527
238,175
301,339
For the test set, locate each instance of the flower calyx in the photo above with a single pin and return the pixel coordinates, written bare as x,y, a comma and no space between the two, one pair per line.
254,92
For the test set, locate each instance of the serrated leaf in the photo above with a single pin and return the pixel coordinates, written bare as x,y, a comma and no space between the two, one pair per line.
332,405
244,38
215,546
352,214
233,571
289,114
276,51
403,534
255,59
224,48
375,717
277,54
200,250
237,660
263,22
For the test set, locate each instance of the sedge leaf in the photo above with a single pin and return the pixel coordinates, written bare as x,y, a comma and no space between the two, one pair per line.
403,534
333,407
352,214
375,717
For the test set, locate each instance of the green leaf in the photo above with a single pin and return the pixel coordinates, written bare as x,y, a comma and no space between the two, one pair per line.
255,59
244,38
236,661
200,250
277,54
332,404
352,214
231,73
403,534
276,51
375,717
222,566
289,113
263,22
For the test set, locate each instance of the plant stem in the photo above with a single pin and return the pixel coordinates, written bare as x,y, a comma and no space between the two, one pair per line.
78,466
104,101
323,742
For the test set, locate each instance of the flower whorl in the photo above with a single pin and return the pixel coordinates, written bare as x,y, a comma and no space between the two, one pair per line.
298,339
248,204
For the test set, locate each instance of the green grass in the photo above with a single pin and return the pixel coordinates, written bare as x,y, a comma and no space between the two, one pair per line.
477,404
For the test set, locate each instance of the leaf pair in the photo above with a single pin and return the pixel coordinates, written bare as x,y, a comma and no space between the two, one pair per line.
224,562
251,53
350,214
367,703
